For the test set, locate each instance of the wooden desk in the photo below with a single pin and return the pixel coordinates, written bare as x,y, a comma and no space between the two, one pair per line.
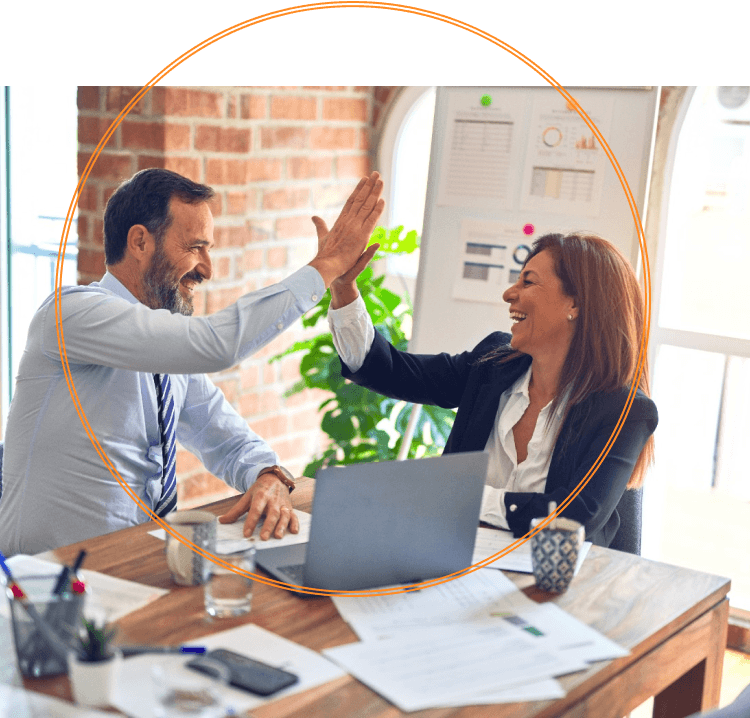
673,621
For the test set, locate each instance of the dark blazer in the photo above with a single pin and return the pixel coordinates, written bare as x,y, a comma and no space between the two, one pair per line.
461,381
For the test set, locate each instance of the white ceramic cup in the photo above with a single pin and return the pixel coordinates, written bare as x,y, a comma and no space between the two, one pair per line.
188,567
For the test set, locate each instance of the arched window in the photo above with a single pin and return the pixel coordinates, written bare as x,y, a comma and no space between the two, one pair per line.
696,499
404,156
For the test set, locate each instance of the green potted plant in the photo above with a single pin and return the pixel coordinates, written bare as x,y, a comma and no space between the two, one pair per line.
362,425
93,666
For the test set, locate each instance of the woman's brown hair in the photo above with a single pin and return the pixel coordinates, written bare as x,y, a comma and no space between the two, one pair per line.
603,354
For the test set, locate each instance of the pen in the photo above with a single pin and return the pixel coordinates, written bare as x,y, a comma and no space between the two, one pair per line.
67,571
137,650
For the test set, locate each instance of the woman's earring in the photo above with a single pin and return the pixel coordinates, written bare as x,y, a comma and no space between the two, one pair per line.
570,317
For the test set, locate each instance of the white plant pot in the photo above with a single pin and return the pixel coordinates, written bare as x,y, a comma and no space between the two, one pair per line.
93,684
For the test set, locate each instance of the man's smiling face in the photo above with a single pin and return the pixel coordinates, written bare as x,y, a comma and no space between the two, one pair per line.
181,260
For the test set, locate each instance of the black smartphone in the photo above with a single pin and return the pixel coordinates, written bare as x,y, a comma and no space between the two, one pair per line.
253,676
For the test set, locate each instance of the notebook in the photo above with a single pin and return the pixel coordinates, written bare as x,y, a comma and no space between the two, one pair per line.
385,523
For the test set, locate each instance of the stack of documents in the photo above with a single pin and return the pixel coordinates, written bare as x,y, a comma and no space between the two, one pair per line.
474,640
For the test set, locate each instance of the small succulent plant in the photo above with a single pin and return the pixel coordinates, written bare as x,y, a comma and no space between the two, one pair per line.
95,640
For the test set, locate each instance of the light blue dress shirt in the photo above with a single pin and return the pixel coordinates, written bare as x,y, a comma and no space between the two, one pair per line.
57,489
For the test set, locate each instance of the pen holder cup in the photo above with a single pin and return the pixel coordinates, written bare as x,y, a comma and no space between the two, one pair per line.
554,553
36,655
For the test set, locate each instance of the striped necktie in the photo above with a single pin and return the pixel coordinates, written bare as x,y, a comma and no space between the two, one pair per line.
168,500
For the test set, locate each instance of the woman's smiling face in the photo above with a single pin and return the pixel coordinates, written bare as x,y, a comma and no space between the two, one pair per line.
539,309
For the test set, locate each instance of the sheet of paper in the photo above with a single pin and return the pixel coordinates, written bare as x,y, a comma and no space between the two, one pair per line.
449,664
20,703
479,150
492,541
565,164
112,597
135,694
229,537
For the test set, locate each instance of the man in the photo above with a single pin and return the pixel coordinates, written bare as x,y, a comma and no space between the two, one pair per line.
137,361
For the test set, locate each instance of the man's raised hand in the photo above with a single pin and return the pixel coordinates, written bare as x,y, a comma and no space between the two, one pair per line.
343,246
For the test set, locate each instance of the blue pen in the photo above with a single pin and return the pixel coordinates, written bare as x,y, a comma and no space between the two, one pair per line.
137,650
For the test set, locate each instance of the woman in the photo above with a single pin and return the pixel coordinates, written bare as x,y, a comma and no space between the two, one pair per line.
542,401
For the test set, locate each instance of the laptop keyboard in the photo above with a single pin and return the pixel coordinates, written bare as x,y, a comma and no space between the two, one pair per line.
295,572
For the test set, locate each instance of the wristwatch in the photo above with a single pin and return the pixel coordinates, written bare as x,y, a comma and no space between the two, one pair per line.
281,474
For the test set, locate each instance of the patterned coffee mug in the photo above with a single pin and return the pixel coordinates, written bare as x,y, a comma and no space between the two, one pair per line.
188,567
554,553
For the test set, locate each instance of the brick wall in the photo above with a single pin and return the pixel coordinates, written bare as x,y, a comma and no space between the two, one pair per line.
275,156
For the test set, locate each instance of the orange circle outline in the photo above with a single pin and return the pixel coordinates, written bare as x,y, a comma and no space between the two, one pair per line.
378,6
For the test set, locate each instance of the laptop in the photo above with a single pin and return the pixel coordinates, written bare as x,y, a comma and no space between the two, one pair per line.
384,523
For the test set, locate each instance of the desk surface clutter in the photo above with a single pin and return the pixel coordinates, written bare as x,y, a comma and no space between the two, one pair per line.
627,629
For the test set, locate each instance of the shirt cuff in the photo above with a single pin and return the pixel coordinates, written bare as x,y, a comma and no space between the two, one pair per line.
307,286
352,333
493,507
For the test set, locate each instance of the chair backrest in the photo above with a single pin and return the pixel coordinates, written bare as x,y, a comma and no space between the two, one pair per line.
630,509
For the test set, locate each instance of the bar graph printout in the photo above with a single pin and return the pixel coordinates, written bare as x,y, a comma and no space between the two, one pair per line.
565,164
480,151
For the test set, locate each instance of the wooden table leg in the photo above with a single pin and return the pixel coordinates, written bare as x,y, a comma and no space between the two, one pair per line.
698,689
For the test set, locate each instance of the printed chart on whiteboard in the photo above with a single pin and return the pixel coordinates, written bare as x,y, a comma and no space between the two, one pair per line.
491,257
480,152
565,164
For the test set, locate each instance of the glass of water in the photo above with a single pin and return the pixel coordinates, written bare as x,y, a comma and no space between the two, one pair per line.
228,593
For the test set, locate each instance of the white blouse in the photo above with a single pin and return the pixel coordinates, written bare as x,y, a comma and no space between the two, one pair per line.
353,335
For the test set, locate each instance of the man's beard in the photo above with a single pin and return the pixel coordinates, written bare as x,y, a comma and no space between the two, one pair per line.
162,289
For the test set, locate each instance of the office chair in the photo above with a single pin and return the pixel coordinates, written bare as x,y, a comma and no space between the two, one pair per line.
630,509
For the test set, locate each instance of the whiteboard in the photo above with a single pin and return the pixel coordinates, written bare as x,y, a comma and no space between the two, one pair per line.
507,165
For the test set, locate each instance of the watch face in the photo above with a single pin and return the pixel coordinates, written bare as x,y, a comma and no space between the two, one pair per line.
733,97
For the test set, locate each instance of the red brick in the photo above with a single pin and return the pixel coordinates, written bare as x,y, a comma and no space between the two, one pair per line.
187,461
290,368
199,303
249,376
88,97
259,230
342,108
92,129
220,171
222,268
182,102
269,401
332,138
252,107
270,427
107,166
305,420
216,205
269,370
282,137
364,138
329,196
222,139
276,257
218,299
155,135
383,94
88,198
189,167
230,389
230,237
90,262
232,107
252,259
293,108
237,202
309,167
83,226
98,235
353,166
286,198
259,170
119,97
292,227
249,404
195,490
323,88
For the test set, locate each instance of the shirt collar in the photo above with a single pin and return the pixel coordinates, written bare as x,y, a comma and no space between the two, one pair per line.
114,285
521,386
